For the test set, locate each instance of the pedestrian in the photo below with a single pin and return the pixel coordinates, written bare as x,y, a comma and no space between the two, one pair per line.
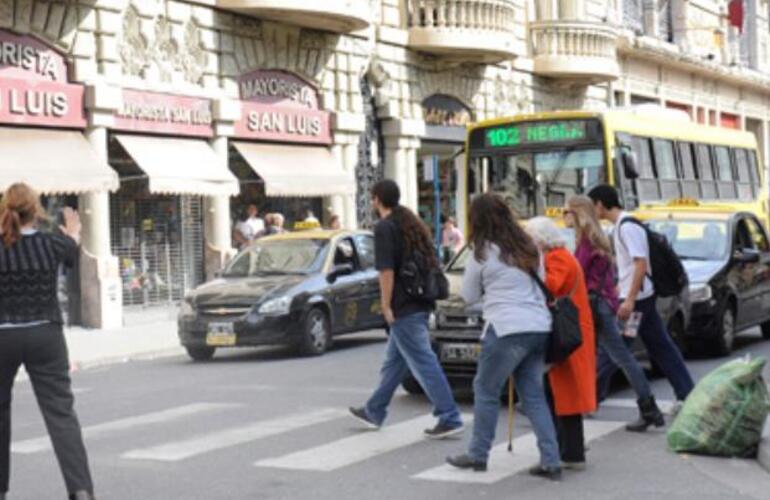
31,331
594,252
499,274
452,239
307,215
247,229
573,380
334,222
399,235
270,228
637,292
278,221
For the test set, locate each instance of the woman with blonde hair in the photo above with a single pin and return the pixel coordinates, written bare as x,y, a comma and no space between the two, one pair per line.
572,381
31,331
594,253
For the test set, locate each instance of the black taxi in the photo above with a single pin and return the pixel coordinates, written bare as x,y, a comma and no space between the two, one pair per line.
726,254
298,289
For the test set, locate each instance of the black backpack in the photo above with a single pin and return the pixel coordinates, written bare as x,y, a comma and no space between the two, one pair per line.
422,281
667,274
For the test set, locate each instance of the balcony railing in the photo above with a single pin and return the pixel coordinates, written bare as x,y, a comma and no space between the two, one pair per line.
575,50
340,16
463,29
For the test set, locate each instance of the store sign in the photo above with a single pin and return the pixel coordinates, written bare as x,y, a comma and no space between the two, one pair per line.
278,106
445,111
165,114
34,88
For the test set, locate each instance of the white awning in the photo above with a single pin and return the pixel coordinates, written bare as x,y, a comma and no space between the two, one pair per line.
52,162
180,166
296,170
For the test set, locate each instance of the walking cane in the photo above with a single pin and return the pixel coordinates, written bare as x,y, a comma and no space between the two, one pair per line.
510,414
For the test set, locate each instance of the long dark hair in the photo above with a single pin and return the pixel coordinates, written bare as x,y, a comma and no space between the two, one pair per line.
493,221
415,233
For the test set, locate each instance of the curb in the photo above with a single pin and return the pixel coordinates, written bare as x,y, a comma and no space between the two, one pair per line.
764,447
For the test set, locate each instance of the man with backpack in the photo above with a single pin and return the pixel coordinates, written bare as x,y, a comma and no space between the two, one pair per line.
409,284
640,283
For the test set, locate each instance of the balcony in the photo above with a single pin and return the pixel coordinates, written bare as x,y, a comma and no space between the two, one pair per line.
339,16
464,30
575,51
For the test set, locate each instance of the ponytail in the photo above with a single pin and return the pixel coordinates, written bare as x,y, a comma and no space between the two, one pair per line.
10,226
19,206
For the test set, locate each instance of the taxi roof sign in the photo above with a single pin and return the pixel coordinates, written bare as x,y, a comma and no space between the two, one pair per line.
306,225
684,202
554,211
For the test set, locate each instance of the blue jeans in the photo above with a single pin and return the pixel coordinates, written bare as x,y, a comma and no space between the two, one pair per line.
523,355
408,350
614,351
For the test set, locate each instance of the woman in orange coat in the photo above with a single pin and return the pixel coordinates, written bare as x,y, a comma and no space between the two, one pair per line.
573,381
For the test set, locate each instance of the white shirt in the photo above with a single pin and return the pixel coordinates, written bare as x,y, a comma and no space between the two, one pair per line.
251,227
631,243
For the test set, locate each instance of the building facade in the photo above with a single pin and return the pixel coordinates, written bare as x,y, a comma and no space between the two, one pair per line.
160,120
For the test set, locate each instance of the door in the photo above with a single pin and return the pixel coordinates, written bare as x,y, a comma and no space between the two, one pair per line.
347,290
745,274
371,311
762,274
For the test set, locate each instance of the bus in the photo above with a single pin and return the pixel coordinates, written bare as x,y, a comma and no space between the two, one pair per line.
653,156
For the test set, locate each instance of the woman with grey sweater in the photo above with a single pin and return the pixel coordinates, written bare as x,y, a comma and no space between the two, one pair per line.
499,274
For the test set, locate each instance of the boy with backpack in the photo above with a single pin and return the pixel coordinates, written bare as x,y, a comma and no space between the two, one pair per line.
409,284
640,283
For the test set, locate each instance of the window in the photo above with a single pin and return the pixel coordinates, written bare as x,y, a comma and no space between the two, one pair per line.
690,187
705,172
758,235
344,253
726,187
751,155
743,173
743,239
647,185
365,245
665,166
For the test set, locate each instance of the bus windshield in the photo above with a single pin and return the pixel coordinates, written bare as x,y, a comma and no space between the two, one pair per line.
535,180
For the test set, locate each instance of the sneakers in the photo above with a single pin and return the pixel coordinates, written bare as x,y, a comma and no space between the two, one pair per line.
361,415
552,473
443,431
466,462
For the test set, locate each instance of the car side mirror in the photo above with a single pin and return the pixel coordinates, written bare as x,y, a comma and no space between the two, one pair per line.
746,256
340,270
630,168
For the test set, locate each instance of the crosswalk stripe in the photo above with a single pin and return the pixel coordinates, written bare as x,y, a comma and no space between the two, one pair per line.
665,405
502,464
180,450
358,448
43,443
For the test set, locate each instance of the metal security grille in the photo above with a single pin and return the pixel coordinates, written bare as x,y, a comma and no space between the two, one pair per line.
159,242
371,150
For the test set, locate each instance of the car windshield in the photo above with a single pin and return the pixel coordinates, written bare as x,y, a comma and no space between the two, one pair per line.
280,256
695,239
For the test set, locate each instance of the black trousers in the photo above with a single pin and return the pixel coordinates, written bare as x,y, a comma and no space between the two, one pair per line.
569,431
43,352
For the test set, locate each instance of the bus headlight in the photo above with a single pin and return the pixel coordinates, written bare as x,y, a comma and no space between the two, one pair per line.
700,292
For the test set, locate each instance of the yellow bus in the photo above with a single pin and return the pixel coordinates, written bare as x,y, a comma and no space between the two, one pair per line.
653,156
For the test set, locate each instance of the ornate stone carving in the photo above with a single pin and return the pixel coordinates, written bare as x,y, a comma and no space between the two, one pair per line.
165,50
193,59
134,55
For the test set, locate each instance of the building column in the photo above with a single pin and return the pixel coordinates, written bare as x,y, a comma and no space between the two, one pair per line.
216,219
402,143
101,288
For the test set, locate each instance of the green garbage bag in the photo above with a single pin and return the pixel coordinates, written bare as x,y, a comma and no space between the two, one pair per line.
725,413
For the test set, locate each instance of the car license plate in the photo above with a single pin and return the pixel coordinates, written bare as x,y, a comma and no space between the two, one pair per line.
462,353
220,335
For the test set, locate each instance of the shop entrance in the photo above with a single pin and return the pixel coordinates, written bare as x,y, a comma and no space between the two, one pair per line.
447,156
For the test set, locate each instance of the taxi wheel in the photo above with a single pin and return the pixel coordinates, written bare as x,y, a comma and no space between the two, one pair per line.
201,353
722,344
316,337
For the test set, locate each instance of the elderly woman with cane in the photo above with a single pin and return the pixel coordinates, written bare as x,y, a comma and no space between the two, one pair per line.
516,333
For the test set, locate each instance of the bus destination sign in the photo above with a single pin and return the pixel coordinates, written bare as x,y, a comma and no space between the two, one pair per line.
517,134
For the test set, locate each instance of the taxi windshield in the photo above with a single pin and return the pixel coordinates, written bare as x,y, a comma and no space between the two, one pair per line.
695,239
272,257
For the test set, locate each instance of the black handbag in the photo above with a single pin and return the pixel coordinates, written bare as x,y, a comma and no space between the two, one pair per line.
566,336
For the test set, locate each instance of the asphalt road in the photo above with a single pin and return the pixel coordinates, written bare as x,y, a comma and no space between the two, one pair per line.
262,424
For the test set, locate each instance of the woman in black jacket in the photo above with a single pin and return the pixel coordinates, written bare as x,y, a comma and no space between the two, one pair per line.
31,331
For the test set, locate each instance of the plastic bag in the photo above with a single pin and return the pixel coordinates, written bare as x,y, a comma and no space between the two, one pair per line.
725,413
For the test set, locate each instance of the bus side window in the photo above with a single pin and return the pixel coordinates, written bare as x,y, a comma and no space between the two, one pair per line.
690,188
708,187
725,180
647,184
751,155
743,175
665,163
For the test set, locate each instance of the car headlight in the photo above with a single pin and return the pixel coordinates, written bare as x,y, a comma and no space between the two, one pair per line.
186,308
276,306
700,292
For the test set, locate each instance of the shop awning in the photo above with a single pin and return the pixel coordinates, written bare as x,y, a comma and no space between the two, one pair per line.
52,162
296,170
180,166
